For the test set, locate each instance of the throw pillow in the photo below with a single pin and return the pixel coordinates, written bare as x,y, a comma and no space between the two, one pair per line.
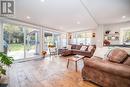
90,48
101,52
83,48
126,49
69,47
117,55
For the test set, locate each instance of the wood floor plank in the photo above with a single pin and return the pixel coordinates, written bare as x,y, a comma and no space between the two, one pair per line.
47,72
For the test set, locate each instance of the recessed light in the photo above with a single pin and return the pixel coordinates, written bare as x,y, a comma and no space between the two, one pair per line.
61,27
28,17
123,17
42,0
78,22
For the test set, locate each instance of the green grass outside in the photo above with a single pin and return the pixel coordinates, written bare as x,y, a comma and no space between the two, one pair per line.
19,47
16,47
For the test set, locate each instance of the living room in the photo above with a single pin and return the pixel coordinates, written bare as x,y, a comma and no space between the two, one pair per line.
69,43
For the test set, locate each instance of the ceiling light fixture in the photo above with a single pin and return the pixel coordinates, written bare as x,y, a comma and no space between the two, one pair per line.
78,22
28,17
42,0
61,27
123,17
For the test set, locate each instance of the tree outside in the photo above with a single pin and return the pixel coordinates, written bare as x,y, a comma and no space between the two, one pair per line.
14,37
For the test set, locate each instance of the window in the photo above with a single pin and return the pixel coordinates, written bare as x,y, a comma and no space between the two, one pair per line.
63,40
126,35
82,38
57,40
73,39
88,37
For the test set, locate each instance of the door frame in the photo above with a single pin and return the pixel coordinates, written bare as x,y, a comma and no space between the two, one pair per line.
25,35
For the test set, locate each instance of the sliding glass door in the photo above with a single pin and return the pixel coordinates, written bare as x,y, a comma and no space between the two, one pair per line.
57,40
14,41
32,42
20,42
51,39
48,40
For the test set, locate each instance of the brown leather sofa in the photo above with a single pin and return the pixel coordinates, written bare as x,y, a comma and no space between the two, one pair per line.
75,49
114,71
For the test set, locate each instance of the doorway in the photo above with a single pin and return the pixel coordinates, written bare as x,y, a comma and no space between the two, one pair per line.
32,42
48,40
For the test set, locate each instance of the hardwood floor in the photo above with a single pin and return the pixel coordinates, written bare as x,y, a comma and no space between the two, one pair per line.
47,72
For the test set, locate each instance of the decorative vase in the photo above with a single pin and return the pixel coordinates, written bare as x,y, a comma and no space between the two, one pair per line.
107,32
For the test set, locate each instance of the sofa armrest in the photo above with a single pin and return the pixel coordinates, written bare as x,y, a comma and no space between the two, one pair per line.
109,67
92,51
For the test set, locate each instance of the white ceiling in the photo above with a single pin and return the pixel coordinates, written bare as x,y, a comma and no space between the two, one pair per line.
109,11
64,14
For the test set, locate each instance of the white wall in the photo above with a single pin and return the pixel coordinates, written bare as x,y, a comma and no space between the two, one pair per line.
116,27
40,40
99,36
93,39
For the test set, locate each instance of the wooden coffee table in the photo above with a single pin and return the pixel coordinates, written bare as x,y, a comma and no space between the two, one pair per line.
74,58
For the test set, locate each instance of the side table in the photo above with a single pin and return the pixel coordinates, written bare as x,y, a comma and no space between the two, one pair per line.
75,58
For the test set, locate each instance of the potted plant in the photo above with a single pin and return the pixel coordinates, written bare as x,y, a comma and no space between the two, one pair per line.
43,53
107,32
4,61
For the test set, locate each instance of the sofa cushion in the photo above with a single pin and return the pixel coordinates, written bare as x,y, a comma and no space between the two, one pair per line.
76,51
117,55
83,48
83,53
126,49
78,47
127,61
73,46
66,52
69,47
109,67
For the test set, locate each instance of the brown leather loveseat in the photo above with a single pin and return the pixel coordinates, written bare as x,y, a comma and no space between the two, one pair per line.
114,71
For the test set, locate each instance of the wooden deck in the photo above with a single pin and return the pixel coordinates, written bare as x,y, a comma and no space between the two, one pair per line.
47,72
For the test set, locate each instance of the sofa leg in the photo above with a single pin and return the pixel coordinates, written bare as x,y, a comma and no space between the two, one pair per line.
84,78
